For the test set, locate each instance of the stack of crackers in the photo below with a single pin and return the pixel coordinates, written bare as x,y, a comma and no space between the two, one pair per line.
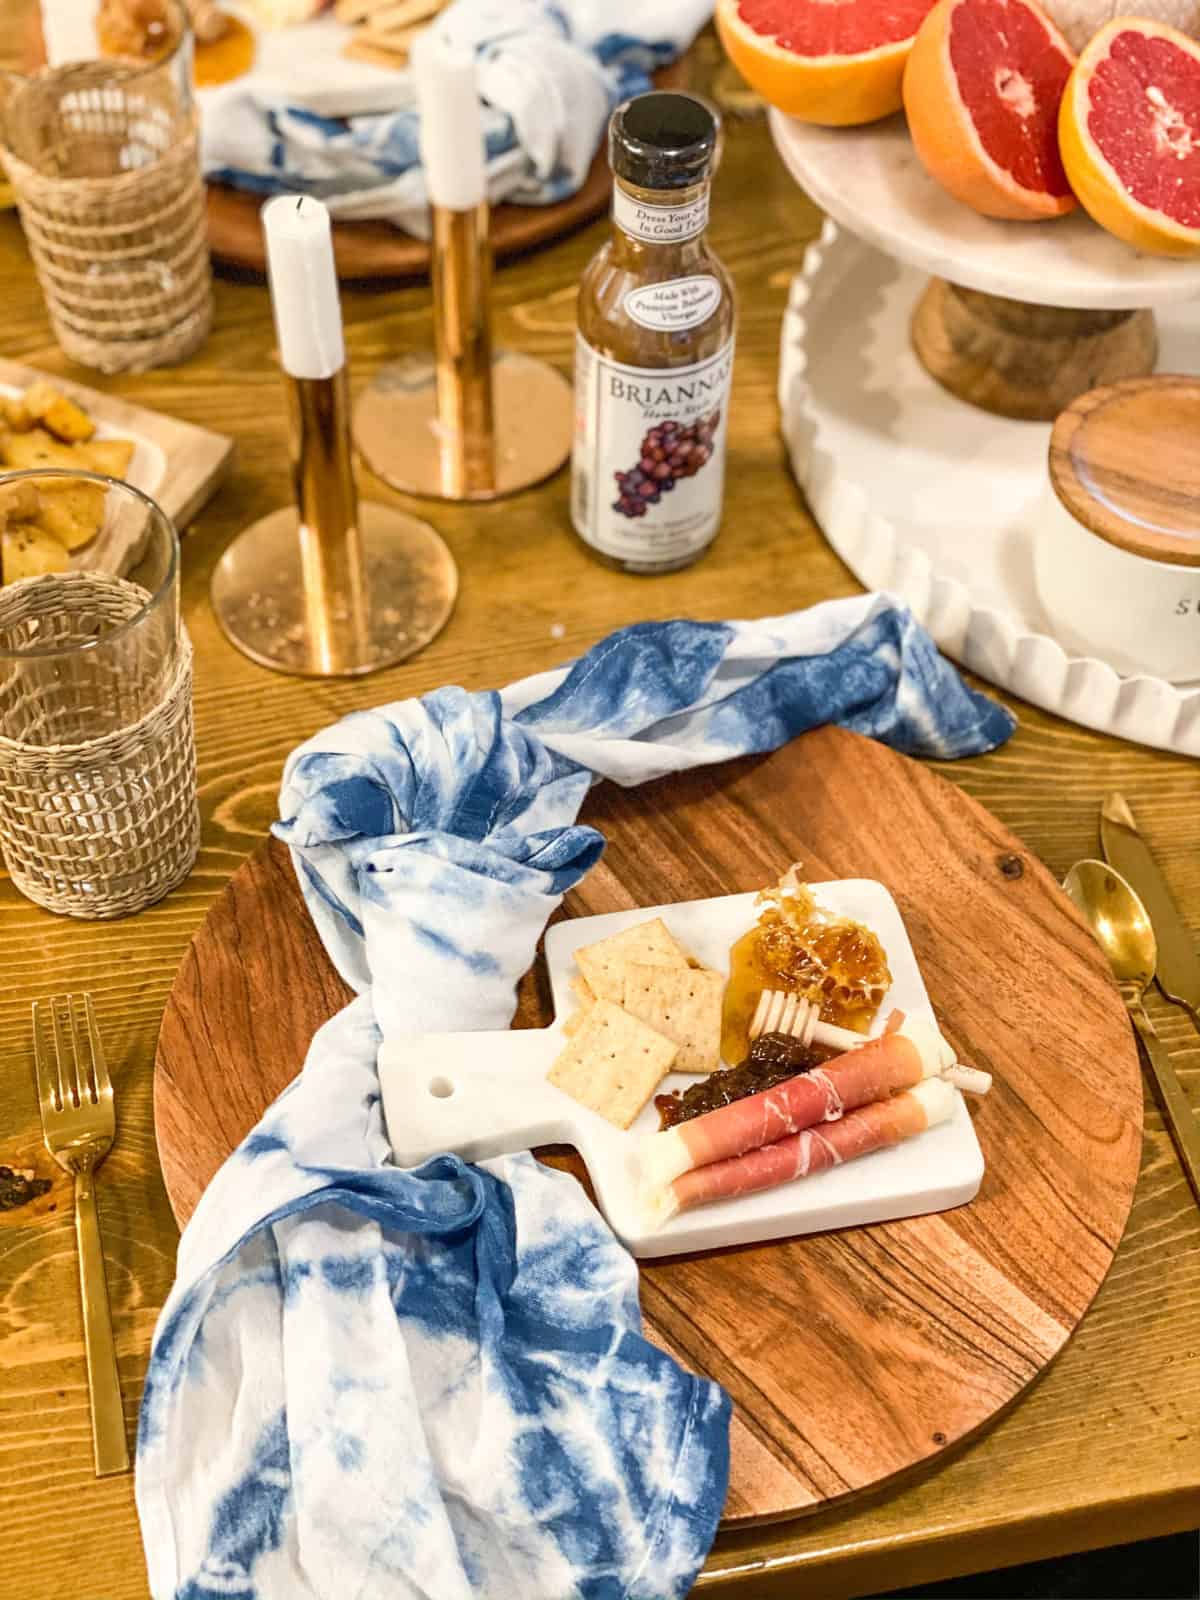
385,28
647,1007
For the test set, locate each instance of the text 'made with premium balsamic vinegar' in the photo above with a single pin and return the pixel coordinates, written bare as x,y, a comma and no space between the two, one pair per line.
654,350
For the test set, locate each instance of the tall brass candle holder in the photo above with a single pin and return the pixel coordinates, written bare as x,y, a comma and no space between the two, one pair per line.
332,586
329,587
468,424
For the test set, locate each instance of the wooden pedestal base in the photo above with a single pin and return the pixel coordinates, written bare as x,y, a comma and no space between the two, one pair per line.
1026,361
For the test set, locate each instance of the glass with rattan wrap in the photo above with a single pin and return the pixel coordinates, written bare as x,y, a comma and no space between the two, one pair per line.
103,158
98,803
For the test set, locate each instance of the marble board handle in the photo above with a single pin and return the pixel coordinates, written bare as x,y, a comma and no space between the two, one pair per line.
476,1094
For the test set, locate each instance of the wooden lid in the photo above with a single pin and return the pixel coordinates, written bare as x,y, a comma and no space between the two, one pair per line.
1125,462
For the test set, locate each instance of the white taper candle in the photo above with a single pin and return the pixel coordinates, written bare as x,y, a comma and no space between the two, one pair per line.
69,31
451,121
304,287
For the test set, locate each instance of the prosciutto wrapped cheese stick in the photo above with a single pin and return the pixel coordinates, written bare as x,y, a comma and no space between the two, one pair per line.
858,1133
881,1067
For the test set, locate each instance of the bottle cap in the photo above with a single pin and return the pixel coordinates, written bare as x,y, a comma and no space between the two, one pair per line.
663,140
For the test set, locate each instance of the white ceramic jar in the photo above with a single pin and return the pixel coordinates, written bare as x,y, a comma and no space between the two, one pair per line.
1117,540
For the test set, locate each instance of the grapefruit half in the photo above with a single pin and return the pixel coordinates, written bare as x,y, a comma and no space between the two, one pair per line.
834,62
1130,135
982,90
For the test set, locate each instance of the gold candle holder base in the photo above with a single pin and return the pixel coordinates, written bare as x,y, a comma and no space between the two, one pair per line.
399,434
267,610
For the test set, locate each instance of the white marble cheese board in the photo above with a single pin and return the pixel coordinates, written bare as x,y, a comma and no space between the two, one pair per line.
486,1094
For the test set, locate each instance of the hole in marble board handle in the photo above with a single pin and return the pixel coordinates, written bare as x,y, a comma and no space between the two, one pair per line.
441,1088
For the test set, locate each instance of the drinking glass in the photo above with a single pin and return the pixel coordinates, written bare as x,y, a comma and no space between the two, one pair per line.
98,803
104,161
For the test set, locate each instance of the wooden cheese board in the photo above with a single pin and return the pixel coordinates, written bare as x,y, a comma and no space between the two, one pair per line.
176,463
850,1356
486,1094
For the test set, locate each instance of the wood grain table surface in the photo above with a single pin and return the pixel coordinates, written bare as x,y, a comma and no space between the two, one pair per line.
1105,1448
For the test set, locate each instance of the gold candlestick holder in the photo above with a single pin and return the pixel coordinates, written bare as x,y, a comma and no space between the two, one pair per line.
467,424
332,586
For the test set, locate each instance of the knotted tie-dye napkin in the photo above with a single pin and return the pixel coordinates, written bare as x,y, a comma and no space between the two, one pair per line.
371,1383
550,74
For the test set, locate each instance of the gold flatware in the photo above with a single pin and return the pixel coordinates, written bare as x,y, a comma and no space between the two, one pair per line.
1124,932
1178,972
78,1124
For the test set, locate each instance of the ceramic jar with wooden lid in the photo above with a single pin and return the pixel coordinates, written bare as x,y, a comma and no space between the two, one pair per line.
1117,543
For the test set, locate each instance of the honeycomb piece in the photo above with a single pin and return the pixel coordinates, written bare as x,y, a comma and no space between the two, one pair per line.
838,964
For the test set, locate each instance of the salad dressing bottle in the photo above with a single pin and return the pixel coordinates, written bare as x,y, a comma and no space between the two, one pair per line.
654,349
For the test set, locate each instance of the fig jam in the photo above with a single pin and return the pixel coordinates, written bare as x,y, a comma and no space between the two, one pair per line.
773,1058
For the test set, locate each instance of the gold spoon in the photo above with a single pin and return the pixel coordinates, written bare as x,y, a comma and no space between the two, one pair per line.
1123,931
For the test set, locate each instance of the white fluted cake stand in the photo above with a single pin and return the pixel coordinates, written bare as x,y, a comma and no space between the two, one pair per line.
935,501
1019,318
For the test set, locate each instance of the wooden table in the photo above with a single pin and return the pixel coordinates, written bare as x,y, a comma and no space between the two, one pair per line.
1105,1449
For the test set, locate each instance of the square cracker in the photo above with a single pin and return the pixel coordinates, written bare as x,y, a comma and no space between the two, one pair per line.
613,1064
74,514
685,1005
582,990
576,1020
38,448
603,964
57,412
110,456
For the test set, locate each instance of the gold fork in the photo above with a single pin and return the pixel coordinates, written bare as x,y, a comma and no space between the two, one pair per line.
78,1123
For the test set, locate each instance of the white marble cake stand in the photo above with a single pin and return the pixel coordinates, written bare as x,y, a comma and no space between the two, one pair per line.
1020,318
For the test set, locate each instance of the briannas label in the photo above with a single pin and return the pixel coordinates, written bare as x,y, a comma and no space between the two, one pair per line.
665,224
648,466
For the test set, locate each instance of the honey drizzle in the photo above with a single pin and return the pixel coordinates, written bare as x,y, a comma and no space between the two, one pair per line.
225,58
837,963
139,31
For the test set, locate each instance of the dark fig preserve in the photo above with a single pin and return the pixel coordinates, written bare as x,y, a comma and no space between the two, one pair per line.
773,1058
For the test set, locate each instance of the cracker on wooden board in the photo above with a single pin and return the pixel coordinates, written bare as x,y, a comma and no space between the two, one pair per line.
613,1064
55,411
603,963
38,448
109,456
14,413
684,1004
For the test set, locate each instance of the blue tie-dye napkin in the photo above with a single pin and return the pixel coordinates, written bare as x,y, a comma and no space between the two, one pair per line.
378,1383
550,74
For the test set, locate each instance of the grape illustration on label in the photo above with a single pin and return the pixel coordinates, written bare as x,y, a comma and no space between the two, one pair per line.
670,451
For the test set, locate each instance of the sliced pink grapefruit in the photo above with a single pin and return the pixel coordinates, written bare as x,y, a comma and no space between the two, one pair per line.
1130,135
835,62
982,91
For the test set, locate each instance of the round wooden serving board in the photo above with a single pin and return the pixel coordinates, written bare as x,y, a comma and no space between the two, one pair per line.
374,250
377,250
850,1357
